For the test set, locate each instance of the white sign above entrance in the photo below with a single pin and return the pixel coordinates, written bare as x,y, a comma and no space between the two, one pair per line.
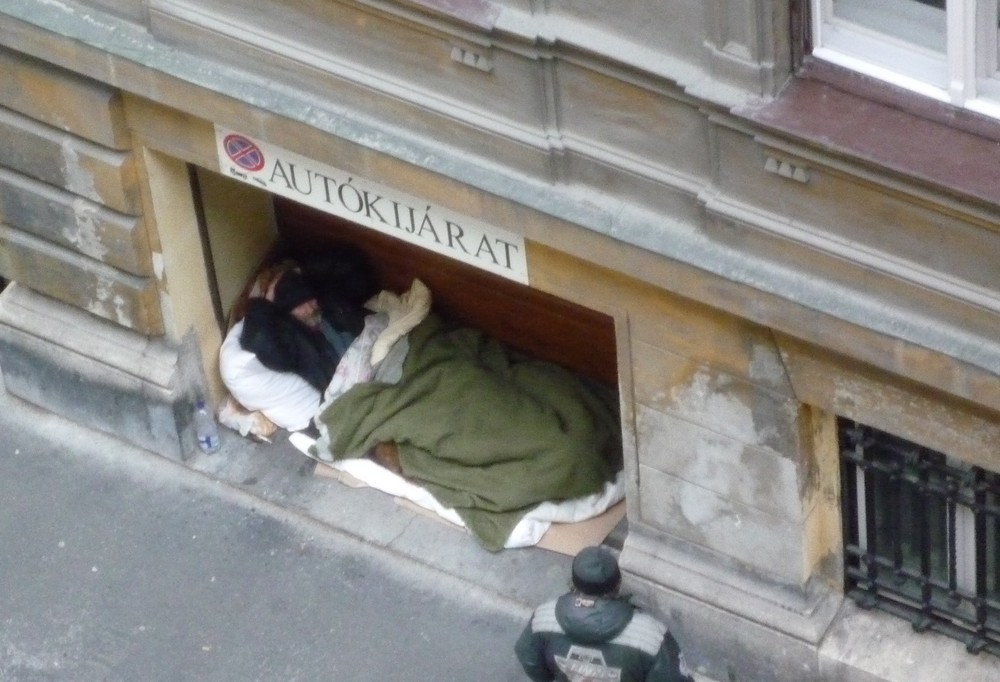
370,204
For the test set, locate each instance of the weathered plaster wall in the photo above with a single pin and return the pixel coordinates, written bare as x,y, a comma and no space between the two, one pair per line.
241,229
71,224
79,223
720,438
182,273
723,448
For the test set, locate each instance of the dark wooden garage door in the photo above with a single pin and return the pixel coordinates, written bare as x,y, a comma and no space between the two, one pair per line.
536,323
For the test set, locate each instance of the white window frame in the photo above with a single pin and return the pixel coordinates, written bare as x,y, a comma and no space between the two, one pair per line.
965,76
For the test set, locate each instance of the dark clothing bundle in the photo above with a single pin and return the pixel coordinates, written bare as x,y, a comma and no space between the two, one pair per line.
284,344
344,279
576,637
340,280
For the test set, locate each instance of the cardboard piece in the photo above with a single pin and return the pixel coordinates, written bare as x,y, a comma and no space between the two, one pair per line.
570,538
564,538
326,471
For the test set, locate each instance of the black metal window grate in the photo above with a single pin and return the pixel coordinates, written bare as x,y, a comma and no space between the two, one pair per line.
922,536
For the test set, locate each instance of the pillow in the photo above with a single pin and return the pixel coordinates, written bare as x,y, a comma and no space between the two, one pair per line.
284,398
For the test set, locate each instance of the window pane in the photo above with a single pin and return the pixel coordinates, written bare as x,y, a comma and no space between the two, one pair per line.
920,22
904,518
992,551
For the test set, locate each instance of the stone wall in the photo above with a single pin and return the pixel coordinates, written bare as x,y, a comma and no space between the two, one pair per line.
81,327
70,208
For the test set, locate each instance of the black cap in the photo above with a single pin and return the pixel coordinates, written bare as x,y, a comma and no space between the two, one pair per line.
596,572
291,291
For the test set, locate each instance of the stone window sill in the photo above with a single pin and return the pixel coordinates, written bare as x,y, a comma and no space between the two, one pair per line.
950,150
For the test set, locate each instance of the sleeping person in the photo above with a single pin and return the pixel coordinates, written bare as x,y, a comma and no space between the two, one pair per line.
288,331
296,324
488,431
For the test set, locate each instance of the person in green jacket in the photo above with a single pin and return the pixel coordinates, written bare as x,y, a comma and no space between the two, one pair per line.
592,634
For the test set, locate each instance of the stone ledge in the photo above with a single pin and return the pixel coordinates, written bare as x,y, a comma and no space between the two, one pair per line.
730,625
95,373
872,646
802,613
126,299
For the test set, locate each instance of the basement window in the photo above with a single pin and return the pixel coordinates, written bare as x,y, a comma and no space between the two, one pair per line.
922,536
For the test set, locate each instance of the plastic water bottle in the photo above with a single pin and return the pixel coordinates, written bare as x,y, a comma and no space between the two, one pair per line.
205,429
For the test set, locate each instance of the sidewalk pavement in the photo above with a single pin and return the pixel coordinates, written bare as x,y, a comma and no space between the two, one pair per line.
282,476
276,482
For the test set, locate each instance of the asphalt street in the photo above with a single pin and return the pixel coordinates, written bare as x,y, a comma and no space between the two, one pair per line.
118,565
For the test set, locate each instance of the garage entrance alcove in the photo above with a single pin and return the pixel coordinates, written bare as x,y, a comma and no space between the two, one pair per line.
534,324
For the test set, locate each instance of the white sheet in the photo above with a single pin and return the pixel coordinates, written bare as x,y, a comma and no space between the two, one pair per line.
283,397
526,533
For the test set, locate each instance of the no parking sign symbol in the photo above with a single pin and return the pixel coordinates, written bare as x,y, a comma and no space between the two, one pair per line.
243,152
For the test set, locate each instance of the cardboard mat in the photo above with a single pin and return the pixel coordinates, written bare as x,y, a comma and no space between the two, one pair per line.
564,538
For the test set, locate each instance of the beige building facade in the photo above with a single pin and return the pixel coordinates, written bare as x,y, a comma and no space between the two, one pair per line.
758,251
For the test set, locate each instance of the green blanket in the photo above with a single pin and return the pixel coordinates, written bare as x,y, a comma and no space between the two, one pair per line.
488,432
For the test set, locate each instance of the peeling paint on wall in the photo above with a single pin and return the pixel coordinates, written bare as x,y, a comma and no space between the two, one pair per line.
86,236
107,303
158,265
757,414
78,179
702,510
706,396
695,455
723,525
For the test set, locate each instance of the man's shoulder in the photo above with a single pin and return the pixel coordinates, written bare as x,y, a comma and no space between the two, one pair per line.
543,619
644,632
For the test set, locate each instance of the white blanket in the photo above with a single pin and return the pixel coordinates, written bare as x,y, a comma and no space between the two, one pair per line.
526,533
